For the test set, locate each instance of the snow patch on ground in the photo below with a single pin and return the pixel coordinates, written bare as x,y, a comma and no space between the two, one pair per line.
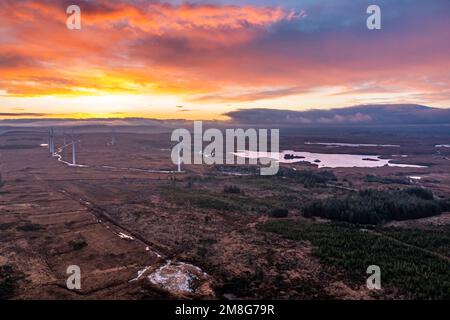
140,273
177,277
125,236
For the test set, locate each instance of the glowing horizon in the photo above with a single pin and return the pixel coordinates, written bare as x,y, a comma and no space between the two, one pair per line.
199,60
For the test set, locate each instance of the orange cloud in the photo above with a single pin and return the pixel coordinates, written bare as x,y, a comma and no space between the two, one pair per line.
40,56
211,54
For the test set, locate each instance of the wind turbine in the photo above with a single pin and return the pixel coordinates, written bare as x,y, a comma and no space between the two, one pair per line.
179,159
113,137
74,149
51,142
171,146
74,152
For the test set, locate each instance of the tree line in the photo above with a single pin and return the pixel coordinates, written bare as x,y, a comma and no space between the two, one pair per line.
375,206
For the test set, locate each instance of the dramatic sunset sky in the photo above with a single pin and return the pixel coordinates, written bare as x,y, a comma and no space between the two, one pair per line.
200,59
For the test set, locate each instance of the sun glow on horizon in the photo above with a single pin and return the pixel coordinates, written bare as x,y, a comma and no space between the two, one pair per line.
179,60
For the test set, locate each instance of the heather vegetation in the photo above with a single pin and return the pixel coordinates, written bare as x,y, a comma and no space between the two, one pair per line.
385,180
29,227
8,281
78,244
232,189
220,201
18,146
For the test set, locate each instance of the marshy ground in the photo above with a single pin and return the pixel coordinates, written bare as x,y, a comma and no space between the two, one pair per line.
248,233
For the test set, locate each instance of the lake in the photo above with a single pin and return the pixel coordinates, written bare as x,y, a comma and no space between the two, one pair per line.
326,160
336,144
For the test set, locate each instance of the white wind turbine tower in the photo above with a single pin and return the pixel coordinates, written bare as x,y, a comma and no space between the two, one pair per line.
51,142
74,150
113,137
171,146
73,143
74,153
179,159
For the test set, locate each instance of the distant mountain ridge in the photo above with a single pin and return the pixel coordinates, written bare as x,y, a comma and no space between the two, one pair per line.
382,114
363,114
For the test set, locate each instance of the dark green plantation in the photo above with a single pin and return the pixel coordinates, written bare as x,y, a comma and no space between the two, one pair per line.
308,178
374,207
417,273
437,240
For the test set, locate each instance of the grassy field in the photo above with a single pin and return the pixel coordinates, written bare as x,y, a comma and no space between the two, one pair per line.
261,194
221,201
416,273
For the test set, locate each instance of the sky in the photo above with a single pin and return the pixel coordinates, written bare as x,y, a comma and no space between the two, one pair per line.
202,59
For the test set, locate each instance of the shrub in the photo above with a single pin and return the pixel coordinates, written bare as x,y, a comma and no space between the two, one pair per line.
8,279
232,189
29,227
445,205
420,193
279,213
78,244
